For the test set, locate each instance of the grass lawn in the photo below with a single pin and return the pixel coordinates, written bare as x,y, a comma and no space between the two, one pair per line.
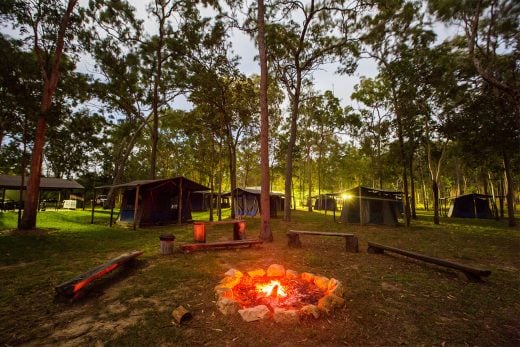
390,300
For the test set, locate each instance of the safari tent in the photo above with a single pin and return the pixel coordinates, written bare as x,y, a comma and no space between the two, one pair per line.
364,205
471,206
247,202
200,200
157,202
324,202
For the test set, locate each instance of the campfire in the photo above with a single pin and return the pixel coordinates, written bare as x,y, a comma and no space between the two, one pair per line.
284,295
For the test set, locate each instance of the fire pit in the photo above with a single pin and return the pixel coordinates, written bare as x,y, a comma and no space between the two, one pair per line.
283,295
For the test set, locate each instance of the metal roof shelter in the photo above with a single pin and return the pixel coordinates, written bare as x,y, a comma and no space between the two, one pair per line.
46,183
8,182
156,202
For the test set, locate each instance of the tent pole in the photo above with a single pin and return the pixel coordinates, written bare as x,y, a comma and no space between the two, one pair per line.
179,205
136,205
93,206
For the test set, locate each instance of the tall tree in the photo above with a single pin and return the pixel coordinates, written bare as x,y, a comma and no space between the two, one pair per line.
265,227
49,24
301,37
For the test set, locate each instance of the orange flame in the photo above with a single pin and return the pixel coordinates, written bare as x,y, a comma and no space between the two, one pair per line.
268,288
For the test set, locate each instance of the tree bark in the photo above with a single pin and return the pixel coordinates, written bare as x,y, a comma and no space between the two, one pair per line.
50,79
295,105
412,187
265,212
510,193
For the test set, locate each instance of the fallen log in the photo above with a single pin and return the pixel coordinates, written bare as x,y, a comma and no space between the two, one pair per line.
187,248
471,273
74,287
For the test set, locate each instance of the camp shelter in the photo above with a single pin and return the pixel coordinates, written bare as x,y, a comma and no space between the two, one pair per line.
247,202
471,206
200,200
324,202
61,189
365,205
156,202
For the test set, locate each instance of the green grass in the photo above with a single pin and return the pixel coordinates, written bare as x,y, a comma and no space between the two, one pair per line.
390,300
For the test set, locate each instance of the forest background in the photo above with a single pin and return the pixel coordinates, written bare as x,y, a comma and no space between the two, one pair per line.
439,116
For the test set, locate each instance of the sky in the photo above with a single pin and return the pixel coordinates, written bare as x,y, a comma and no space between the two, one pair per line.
242,45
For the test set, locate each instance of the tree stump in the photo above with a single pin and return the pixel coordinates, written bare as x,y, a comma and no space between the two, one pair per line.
352,244
166,241
294,240
199,232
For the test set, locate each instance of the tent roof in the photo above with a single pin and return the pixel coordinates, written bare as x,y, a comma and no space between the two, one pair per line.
254,191
49,183
186,183
371,190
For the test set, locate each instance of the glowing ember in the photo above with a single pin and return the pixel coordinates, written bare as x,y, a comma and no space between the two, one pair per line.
273,288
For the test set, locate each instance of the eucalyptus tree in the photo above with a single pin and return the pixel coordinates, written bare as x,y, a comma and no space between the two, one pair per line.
300,38
47,25
73,143
396,29
227,96
492,40
491,29
373,93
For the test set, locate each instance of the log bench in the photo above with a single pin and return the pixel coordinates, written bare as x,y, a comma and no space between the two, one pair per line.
191,247
74,288
470,273
199,229
351,241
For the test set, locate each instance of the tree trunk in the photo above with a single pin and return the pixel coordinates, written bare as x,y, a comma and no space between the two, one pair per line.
232,168
295,102
309,200
403,165
265,228
510,193
50,79
435,189
412,186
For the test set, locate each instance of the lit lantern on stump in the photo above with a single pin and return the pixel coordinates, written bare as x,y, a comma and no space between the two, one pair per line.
199,232
239,230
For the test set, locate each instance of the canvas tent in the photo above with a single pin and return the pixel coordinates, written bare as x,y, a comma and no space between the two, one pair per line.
325,202
10,187
247,202
471,206
200,200
371,206
156,202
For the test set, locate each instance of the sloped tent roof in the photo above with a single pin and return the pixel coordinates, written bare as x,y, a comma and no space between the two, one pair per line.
46,183
371,206
471,206
157,198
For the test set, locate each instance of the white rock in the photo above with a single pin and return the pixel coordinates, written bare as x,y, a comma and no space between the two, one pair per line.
275,270
234,273
335,287
285,316
254,313
310,311
256,273
322,282
291,274
227,306
330,302
307,276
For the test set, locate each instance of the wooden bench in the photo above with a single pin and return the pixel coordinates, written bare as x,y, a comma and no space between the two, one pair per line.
470,273
239,229
74,287
191,247
351,241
